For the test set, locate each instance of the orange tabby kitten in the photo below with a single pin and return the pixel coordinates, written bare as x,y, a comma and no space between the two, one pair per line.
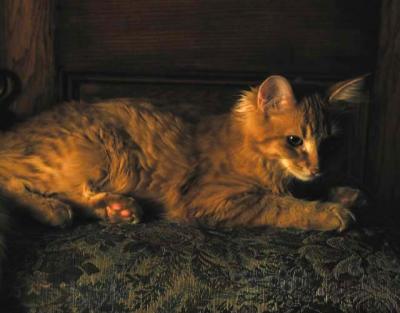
232,169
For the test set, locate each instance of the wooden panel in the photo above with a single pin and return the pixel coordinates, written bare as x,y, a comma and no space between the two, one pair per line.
225,38
28,51
2,43
91,87
357,143
9,90
383,159
190,99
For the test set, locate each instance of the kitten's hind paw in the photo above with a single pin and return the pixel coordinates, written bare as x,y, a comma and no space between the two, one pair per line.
123,210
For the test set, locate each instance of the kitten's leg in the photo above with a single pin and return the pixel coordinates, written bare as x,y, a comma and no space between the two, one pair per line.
256,209
112,207
309,215
46,210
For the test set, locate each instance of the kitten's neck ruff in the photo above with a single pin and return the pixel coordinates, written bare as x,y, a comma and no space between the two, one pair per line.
222,141
251,162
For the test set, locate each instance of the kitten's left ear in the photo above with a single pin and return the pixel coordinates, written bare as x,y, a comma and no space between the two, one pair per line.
348,95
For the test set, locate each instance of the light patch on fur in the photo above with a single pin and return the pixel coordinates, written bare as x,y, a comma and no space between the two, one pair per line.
309,142
308,146
285,163
247,102
92,196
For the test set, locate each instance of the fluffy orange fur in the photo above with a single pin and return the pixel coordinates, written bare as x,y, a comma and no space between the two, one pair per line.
232,169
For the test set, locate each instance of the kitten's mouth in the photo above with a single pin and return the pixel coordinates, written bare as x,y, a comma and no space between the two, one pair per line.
299,173
304,177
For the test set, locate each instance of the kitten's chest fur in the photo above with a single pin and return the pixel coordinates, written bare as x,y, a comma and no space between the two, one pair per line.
227,154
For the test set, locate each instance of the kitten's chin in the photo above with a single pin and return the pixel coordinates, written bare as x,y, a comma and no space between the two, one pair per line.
305,178
297,174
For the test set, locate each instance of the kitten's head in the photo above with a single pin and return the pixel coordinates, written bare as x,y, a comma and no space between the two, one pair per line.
295,133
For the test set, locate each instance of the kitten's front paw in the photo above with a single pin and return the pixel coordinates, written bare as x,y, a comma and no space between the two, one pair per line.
348,197
334,216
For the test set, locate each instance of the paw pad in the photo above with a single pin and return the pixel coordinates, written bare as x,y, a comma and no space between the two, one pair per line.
127,211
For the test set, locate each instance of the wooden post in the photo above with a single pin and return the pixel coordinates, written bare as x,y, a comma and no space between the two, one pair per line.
28,40
2,31
383,158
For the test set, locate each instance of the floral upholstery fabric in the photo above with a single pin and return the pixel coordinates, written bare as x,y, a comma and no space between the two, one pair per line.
167,267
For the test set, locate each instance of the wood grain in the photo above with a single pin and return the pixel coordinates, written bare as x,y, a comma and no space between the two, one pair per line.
28,38
218,38
383,157
2,43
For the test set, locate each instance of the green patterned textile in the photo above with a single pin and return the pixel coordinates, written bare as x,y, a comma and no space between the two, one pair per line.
167,267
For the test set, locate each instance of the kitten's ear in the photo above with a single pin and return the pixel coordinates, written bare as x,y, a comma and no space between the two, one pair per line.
348,95
275,95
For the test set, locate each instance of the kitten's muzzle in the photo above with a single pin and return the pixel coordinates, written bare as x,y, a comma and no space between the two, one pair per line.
315,172
312,174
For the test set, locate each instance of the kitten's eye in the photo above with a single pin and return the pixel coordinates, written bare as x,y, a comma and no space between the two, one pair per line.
294,141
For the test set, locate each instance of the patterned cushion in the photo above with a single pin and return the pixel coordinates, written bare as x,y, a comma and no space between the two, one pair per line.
166,267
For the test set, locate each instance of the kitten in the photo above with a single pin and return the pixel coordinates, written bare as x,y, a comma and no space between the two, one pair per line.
228,170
